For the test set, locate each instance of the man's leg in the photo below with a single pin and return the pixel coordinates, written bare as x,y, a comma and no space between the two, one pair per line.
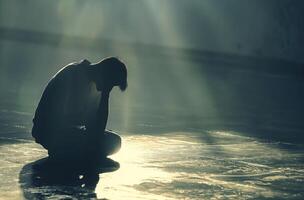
74,144
103,145
67,144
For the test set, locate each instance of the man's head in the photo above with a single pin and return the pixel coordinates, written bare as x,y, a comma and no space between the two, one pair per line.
110,72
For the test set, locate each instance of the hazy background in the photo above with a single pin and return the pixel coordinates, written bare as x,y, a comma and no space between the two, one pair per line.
193,65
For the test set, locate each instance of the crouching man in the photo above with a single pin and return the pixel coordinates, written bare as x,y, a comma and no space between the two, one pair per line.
72,114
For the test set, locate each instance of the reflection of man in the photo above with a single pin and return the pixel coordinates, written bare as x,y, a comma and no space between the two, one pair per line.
71,117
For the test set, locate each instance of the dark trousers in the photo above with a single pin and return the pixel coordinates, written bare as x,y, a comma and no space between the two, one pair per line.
78,144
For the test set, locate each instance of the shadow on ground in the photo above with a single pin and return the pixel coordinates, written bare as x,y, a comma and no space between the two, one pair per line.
44,179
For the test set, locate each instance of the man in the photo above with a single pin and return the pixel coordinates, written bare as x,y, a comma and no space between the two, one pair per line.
71,117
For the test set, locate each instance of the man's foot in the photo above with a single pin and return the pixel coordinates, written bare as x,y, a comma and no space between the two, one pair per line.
103,165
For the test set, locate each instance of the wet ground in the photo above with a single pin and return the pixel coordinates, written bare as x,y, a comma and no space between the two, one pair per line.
171,166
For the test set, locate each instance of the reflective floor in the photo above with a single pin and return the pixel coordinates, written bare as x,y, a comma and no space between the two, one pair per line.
176,165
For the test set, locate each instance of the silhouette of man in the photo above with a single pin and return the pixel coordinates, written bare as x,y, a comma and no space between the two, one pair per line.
72,114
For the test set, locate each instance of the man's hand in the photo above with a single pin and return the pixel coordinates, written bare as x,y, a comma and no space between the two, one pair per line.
106,90
107,86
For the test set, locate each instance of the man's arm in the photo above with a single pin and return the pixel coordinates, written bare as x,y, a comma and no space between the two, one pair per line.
98,125
103,112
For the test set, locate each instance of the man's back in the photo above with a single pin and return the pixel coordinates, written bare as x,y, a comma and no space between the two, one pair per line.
69,99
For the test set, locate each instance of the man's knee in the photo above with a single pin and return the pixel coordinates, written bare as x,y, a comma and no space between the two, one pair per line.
116,139
112,135
113,141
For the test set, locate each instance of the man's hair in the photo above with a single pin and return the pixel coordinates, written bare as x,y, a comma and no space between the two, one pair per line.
115,68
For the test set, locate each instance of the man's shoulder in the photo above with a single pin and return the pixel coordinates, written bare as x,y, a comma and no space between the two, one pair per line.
73,67
65,70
